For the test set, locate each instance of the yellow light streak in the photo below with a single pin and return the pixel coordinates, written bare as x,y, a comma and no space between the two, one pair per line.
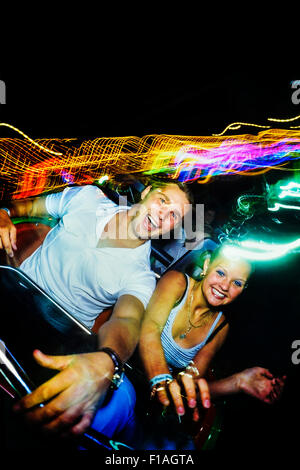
31,167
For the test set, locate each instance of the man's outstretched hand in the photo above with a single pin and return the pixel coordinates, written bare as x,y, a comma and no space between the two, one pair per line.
71,397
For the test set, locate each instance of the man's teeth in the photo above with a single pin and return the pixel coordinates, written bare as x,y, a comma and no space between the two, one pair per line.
218,294
152,222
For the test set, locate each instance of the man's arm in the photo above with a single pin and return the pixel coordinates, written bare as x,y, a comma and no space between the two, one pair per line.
31,207
121,332
73,395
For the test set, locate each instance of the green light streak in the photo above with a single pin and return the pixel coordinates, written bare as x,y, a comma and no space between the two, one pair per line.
262,251
102,179
278,205
290,190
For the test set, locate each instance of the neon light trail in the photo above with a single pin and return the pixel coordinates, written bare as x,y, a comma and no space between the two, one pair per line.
260,250
31,167
289,192
292,189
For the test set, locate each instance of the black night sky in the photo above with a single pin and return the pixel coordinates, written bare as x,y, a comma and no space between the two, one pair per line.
124,103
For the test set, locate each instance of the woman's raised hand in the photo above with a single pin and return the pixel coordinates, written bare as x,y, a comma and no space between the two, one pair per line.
187,387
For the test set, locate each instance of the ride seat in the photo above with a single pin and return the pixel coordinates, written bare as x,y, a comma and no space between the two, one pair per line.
30,235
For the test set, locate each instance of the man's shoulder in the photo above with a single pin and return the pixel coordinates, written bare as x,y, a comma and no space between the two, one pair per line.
87,197
88,191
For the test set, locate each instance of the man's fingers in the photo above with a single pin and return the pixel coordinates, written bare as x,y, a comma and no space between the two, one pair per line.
13,237
44,393
51,362
53,386
73,420
84,423
6,243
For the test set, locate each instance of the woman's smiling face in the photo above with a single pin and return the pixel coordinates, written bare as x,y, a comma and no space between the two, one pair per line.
225,280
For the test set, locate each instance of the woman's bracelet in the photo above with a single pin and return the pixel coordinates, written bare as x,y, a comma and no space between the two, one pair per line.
160,378
158,383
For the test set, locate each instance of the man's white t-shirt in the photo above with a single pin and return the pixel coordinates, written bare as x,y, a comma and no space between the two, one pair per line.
68,265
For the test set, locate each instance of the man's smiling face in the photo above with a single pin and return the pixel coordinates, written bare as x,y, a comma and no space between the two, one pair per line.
159,211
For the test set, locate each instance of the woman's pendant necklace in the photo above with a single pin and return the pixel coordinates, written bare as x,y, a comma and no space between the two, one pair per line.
186,332
183,335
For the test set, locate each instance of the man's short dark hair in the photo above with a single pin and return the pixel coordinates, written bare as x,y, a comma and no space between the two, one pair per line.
160,183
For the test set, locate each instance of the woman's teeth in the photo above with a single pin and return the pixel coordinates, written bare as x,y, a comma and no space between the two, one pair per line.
217,293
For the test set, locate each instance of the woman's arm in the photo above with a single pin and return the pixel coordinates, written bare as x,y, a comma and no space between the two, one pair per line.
169,289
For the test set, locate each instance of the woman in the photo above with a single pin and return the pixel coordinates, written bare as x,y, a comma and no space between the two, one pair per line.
178,332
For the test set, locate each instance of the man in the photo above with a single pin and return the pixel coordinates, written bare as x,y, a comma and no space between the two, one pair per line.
96,256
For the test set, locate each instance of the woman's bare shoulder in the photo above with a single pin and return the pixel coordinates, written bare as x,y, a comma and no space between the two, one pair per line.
176,277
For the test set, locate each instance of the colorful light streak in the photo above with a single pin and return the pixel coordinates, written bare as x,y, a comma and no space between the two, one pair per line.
103,179
289,191
292,189
31,167
260,250
233,156
278,205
